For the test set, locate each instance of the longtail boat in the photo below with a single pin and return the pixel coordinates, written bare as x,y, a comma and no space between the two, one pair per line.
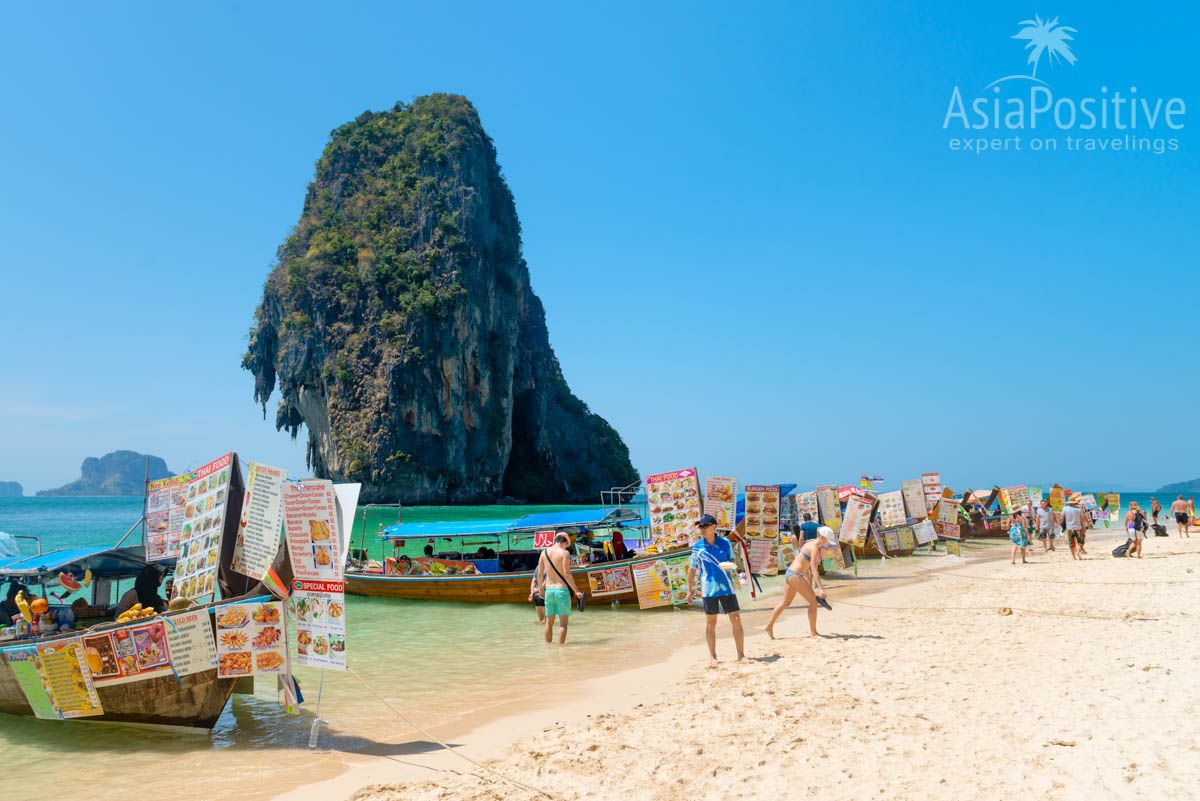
492,561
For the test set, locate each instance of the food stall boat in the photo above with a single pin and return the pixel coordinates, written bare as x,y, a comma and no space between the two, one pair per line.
492,561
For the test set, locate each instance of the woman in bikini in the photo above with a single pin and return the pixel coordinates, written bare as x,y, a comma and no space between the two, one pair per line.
801,575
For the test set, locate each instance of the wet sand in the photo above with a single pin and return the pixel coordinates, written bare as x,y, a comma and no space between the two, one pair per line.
930,689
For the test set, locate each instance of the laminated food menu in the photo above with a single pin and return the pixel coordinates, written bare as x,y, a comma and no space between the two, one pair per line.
653,582
806,503
720,500
310,524
610,581
762,527
857,520
674,502
68,679
128,654
185,516
831,510
262,519
251,639
932,484
319,608
914,498
891,510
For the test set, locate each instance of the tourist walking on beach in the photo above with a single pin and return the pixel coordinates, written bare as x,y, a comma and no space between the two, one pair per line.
710,554
809,528
1155,510
1135,527
1180,509
1047,526
1018,536
1073,523
556,585
801,578
539,603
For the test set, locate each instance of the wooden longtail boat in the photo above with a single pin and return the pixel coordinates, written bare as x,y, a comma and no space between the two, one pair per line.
500,575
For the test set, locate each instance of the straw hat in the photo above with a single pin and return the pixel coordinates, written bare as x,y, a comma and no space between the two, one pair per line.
1075,498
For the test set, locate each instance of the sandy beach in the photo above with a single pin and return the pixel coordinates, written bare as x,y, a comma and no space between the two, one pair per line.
1086,689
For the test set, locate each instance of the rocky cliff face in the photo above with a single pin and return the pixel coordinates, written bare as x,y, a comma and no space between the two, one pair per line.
116,473
400,327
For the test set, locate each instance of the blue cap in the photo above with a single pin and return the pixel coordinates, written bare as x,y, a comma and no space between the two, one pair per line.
706,520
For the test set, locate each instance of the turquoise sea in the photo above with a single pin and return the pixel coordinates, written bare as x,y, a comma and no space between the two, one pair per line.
445,664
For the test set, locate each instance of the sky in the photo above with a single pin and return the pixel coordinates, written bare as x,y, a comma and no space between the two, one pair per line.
758,250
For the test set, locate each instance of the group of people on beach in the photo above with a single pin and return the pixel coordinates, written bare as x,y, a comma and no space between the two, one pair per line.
1076,521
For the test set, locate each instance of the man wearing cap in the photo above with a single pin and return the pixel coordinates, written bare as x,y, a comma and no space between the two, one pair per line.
709,554
1073,523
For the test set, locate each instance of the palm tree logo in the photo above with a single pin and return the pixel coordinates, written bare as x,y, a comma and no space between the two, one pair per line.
1042,38
1048,38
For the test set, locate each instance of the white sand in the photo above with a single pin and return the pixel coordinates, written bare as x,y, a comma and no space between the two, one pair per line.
1099,700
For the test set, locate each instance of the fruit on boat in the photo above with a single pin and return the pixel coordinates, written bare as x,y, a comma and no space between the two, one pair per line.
69,582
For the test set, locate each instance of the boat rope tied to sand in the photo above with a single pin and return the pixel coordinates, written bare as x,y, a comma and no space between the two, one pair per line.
423,731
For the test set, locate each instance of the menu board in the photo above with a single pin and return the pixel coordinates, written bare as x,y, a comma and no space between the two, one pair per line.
787,552
924,532
262,518
251,639
951,531
720,500
1057,498
610,581
128,654
320,611
948,511
677,568
932,484
858,518
1018,497
1114,507
674,502
891,509
831,557
183,509
764,557
905,536
310,525
914,498
831,510
68,679
954,548
762,512
190,638
653,583
26,668
806,503
891,540
1035,496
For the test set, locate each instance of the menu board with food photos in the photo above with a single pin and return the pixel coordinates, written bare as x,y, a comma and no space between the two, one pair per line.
831,557
948,511
26,668
310,525
762,512
251,639
891,540
764,557
1114,507
806,503
183,514
1058,497
932,484
128,654
195,508
857,520
924,532
1018,497
891,510
320,611
720,500
831,509
653,582
907,541
68,679
610,581
674,502
914,498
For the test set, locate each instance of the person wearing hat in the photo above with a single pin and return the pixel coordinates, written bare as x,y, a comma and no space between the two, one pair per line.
1135,527
709,556
1073,523
801,577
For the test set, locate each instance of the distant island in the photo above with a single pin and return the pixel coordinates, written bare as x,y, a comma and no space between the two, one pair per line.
116,473
1181,487
10,489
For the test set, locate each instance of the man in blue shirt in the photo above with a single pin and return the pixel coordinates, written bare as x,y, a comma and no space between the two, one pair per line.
708,555
808,528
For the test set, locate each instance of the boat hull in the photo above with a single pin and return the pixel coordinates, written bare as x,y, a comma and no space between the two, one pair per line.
191,703
484,588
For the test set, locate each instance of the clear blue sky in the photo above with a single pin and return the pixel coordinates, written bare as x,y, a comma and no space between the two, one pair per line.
767,186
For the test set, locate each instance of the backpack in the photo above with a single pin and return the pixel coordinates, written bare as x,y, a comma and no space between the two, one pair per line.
1120,550
1139,521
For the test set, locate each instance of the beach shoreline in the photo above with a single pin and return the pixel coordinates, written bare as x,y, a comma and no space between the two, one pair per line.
571,701
1065,696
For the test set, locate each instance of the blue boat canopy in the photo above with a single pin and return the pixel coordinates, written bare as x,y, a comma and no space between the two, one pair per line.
103,562
571,518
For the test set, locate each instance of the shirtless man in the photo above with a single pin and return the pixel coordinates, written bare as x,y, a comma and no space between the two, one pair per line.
802,576
556,586
1155,510
1180,509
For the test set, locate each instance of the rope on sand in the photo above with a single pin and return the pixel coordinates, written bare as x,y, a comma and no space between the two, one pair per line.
446,746
1068,581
